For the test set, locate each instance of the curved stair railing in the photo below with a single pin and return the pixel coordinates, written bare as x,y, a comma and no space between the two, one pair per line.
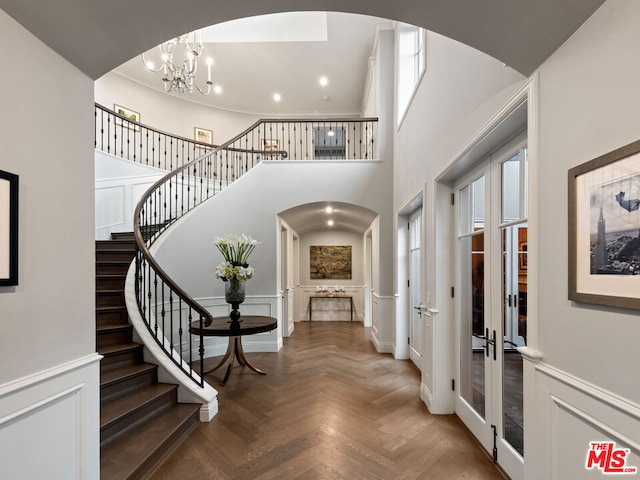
166,309
127,138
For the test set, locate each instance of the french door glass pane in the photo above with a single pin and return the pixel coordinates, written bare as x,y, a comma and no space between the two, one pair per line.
472,367
478,204
511,189
514,323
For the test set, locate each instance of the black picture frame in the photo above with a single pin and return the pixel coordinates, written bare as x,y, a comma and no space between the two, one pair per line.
604,224
8,229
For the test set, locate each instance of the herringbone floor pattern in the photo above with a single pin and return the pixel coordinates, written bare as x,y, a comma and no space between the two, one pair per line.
330,407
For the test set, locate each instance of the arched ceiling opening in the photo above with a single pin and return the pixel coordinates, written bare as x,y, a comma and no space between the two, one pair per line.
97,36
314,217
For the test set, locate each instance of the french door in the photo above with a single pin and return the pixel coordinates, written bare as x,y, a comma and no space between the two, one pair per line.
491,286
415,304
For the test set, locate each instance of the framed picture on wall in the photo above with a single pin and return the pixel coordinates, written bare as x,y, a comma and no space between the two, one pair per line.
203,135
271,145
8,229
129,115
330,262
604,229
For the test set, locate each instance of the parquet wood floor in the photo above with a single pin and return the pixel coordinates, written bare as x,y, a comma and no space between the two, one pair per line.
330,407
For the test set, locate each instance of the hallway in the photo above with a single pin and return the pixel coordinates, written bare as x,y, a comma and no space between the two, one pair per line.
329,407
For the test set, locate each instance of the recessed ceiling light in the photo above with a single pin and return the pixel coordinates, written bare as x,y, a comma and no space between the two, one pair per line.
331,133
330,223
328,209
277,97
324,81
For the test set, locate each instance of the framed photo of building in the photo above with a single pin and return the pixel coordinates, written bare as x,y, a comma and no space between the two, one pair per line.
8,229
330,262
203,135
604,229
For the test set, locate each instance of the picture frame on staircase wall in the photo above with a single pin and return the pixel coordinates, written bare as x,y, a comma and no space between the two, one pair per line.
8,229
203,135
604,229
129,114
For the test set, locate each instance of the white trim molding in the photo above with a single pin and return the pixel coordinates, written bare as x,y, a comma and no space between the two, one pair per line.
571,414
57,411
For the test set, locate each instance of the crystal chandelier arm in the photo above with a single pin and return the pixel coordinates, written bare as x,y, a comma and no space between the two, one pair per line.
181,78
149,65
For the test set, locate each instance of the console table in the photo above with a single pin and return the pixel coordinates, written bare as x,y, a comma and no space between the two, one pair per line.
235,330
334,297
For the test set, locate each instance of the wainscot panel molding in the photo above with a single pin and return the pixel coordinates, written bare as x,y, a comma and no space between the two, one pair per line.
64,399
383,308
573,413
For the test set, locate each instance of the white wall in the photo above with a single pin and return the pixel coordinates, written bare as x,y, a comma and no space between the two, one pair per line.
353,287
119,185
461,90
589,102
332,237
251,205
49,377
168,113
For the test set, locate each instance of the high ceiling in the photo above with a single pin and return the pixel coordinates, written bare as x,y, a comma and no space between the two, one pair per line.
98,36
253,61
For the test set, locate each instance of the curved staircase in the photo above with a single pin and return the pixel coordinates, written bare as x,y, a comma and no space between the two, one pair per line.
140,418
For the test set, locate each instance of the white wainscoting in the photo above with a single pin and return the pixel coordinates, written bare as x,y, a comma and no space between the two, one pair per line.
118,187
573,413
382,316
49,423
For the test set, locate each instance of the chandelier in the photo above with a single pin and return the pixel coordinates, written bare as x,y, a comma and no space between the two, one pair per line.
179,64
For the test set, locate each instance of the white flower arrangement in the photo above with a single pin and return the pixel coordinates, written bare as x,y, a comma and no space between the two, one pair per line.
236,250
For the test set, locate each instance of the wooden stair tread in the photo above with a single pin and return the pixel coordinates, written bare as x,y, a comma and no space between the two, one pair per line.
140,419
142,449
112,327
110,308
127,405
121,373
118,348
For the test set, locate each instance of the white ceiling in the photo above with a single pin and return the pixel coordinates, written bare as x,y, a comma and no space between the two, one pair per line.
252,62
314,217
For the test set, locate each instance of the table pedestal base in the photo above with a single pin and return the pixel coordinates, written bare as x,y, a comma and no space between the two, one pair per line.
234,352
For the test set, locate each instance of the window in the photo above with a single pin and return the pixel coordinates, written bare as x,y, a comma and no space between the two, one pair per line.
329,142
412,62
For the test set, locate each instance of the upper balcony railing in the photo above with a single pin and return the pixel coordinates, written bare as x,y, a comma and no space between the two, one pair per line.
124,138
168,310
267,139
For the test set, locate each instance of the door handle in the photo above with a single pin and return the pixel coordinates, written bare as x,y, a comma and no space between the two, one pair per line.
494,345
487,342
490,341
